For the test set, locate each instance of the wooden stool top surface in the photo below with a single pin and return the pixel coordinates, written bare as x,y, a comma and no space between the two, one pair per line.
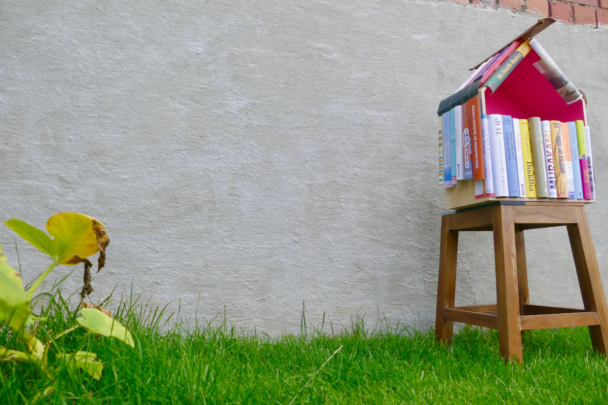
547,203
525,214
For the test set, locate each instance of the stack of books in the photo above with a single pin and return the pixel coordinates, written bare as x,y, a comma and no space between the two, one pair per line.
516,128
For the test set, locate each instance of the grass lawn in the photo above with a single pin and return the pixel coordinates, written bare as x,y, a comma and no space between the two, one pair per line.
219,366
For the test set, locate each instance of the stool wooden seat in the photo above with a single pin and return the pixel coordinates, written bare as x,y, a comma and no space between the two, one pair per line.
513,312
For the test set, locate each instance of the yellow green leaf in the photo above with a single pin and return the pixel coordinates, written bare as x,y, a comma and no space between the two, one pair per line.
99,323
14,303
74,236
33,319
33,235
14,355
35,346
41,394
85,361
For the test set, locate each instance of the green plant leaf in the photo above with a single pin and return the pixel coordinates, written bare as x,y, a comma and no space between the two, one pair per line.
76,237
85,361
32,319
35,346
2,257
99,323
14,304
41,394
14,355
34,236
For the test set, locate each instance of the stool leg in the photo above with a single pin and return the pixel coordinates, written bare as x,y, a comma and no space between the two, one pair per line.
522,271
589,279
446,283
505,253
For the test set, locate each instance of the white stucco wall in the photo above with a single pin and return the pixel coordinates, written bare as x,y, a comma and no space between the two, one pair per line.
258,154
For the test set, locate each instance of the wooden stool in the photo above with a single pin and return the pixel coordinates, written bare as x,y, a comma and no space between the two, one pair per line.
513,312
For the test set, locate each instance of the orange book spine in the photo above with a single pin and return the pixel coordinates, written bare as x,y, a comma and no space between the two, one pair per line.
561,177
474,109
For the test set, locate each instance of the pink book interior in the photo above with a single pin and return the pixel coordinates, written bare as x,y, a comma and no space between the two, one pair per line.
526,93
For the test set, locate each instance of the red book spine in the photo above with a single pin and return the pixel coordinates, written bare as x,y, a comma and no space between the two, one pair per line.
585,178
476,140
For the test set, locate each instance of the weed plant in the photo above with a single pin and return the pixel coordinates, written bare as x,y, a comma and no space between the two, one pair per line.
220,365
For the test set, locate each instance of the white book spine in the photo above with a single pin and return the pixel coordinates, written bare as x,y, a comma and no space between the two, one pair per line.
487,158
459,143
590,162
479,189
520,158
570,171
499,160
549,159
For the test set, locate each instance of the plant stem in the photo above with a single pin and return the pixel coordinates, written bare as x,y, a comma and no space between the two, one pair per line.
65,332
39,280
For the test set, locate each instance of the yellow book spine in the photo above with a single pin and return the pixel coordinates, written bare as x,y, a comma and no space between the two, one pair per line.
557,140
524,48
527,158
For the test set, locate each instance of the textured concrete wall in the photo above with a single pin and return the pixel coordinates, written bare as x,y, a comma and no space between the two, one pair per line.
258,154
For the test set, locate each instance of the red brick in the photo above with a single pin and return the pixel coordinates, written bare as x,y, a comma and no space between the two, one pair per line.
463,2
592,3
512,4
602,18
539,7
485,3
561,11
604,3
584,15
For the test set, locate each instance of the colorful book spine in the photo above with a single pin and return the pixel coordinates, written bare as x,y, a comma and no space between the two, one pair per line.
459,150
537,143
447,170
476,139
508,66
568,159
527,159
582,150
549,159
453,145
511,156
559,159
590,162
497,150
520,158
440,157
497,63
576,164
485,187
467,154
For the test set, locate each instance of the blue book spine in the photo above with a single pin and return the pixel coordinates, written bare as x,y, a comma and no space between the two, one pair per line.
447,168
453,144
511,156
576,165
